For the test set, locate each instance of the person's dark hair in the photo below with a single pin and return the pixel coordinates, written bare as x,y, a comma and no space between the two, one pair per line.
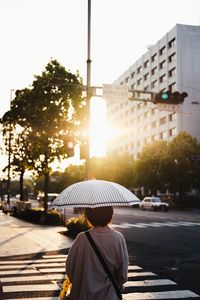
100,216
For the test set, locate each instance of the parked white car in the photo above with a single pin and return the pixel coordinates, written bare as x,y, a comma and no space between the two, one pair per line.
154,203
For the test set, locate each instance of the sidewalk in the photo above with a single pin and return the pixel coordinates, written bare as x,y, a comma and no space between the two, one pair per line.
18,237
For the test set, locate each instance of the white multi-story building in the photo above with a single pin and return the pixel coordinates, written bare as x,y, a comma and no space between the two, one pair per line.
173,63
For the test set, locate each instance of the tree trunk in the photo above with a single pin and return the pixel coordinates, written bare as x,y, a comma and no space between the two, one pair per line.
21,185
46,189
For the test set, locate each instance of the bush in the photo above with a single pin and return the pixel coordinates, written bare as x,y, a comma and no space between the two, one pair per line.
53,217
75,225
38,216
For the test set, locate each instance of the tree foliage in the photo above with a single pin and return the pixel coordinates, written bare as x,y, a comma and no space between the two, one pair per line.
48,111
149,167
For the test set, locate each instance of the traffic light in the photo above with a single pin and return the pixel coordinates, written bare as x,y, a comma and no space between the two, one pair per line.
169,98
70,148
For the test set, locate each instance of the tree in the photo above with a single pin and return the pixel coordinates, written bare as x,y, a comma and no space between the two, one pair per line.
149,167
115,167
182,172
48,111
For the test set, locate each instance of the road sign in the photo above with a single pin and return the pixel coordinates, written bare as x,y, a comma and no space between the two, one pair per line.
169,107
115,92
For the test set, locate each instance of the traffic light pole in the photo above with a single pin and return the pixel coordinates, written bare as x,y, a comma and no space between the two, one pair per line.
88,93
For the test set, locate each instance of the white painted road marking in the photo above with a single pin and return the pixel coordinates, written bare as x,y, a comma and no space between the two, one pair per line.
144,283
53,274
181,294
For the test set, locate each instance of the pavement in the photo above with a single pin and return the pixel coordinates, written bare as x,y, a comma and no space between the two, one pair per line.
18,237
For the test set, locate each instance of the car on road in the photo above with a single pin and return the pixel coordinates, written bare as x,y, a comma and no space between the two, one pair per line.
50,198
153,203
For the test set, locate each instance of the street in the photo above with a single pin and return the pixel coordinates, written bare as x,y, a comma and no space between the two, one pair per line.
164,254
166,243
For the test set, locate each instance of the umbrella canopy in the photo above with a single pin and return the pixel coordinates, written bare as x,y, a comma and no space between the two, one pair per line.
94,193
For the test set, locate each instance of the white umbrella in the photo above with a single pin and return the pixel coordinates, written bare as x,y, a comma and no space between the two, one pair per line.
94,193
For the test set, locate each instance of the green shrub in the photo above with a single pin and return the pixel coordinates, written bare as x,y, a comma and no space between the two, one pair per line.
38,216
75,225
53,217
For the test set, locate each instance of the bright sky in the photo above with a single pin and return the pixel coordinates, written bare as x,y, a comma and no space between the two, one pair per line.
33,31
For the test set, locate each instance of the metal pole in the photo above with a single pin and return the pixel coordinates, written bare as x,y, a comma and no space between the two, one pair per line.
88,97
9,155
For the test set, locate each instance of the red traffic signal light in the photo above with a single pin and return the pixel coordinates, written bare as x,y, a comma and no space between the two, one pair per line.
169,98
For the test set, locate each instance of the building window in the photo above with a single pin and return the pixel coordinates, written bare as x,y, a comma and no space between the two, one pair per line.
154,124
172,117
126,80
153,71
162,78
133,86
163,64
153,84
139,81
153,58
172,132
163,120
162,50
154,137
146,76
163,135
172,43
139,69
172,87
172,72
171,58
146,64
146,88
132,74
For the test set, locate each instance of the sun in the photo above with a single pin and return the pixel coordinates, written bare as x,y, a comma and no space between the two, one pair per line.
98,127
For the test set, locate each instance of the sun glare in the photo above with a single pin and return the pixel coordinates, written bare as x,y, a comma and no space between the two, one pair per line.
98,127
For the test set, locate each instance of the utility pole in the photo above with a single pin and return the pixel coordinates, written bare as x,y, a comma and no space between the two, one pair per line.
88,92
9,155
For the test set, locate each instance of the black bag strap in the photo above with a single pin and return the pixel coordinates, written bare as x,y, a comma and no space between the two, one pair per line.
107,270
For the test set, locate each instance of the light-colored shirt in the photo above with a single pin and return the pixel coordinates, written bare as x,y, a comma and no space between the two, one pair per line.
85,271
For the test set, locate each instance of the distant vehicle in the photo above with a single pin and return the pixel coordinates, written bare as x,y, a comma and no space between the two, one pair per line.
154,203
50,198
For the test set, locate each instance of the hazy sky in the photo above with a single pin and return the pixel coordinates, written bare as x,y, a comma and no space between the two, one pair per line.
34,31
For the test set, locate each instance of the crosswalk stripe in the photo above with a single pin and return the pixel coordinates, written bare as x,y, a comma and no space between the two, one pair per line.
16,272
144,283
52,270
54,256
24,278
154,224
31,266
134,267
41,298
32,261
30,288
180,294
140,274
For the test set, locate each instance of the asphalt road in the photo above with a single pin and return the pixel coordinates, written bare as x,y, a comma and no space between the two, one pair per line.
167,243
